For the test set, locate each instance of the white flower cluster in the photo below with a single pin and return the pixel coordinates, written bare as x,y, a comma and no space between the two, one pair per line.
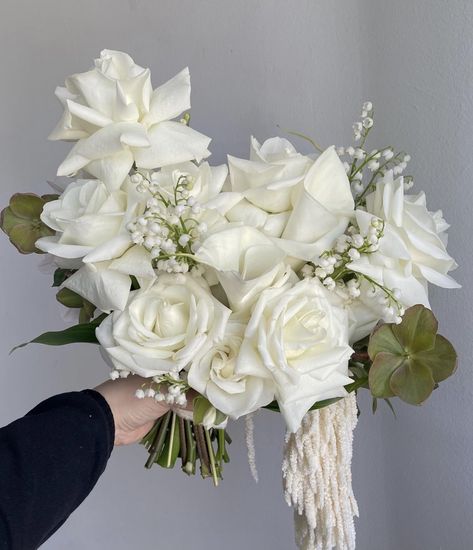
359,162
246,283
167,228
333,269
165,389
361,128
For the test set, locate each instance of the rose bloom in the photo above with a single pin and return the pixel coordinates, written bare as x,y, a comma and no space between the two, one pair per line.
213,374
303,205
85,216
163,327
411,254
245,262
298,338
118,119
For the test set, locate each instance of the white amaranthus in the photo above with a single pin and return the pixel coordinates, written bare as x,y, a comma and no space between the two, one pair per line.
317,477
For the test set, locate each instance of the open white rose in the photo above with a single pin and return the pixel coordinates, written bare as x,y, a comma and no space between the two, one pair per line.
163,327
213,374
267,180
245,261
304,205
90,223
298,336
412,251
85,216
119,120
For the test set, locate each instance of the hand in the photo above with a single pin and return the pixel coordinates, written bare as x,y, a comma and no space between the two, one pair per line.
133,417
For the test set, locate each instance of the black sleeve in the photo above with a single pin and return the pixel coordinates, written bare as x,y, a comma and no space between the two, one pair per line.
49,462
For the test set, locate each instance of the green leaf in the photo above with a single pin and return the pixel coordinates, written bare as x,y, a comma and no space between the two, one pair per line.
390,405
50,197
383,367
24,237
83,332
26,205
87,312
69,298
219,417
417,330
21,222
412,383
442,359
410,358
374,405
201,406
60,275
383,340
8,220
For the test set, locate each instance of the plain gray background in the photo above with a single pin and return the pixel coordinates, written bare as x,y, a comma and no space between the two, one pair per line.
305,65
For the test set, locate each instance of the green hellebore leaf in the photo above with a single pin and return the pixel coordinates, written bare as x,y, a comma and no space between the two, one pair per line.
383,367
409,359
384,340
412,382
8,220
21,221
417,330
442,359
26,205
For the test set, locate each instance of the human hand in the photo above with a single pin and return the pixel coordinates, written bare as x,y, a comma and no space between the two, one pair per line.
133,417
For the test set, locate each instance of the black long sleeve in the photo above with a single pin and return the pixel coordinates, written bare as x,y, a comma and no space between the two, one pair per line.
49,462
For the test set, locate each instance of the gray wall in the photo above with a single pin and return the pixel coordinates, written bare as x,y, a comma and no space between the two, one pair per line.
303,65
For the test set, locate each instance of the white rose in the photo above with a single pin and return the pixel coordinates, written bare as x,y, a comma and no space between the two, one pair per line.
213,374
305,206
90,224
298,336
269,177
119,120
163,327
412,251
85,216
245,261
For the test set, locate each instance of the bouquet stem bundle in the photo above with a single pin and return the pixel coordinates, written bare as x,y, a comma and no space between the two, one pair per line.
174,437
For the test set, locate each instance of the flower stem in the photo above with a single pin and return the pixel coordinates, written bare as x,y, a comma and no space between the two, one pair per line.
157,445
171,440
182,438
210,449
202,450
189,466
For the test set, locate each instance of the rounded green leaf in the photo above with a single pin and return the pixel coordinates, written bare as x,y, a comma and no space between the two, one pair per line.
381,371
27,205
24,237
412,383
417,330
8,220
408,359
384,340
441,360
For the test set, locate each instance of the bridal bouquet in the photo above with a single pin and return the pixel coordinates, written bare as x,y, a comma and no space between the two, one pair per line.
284,281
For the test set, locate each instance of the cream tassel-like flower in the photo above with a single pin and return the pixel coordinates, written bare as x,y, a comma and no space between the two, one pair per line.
250,444
317,477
